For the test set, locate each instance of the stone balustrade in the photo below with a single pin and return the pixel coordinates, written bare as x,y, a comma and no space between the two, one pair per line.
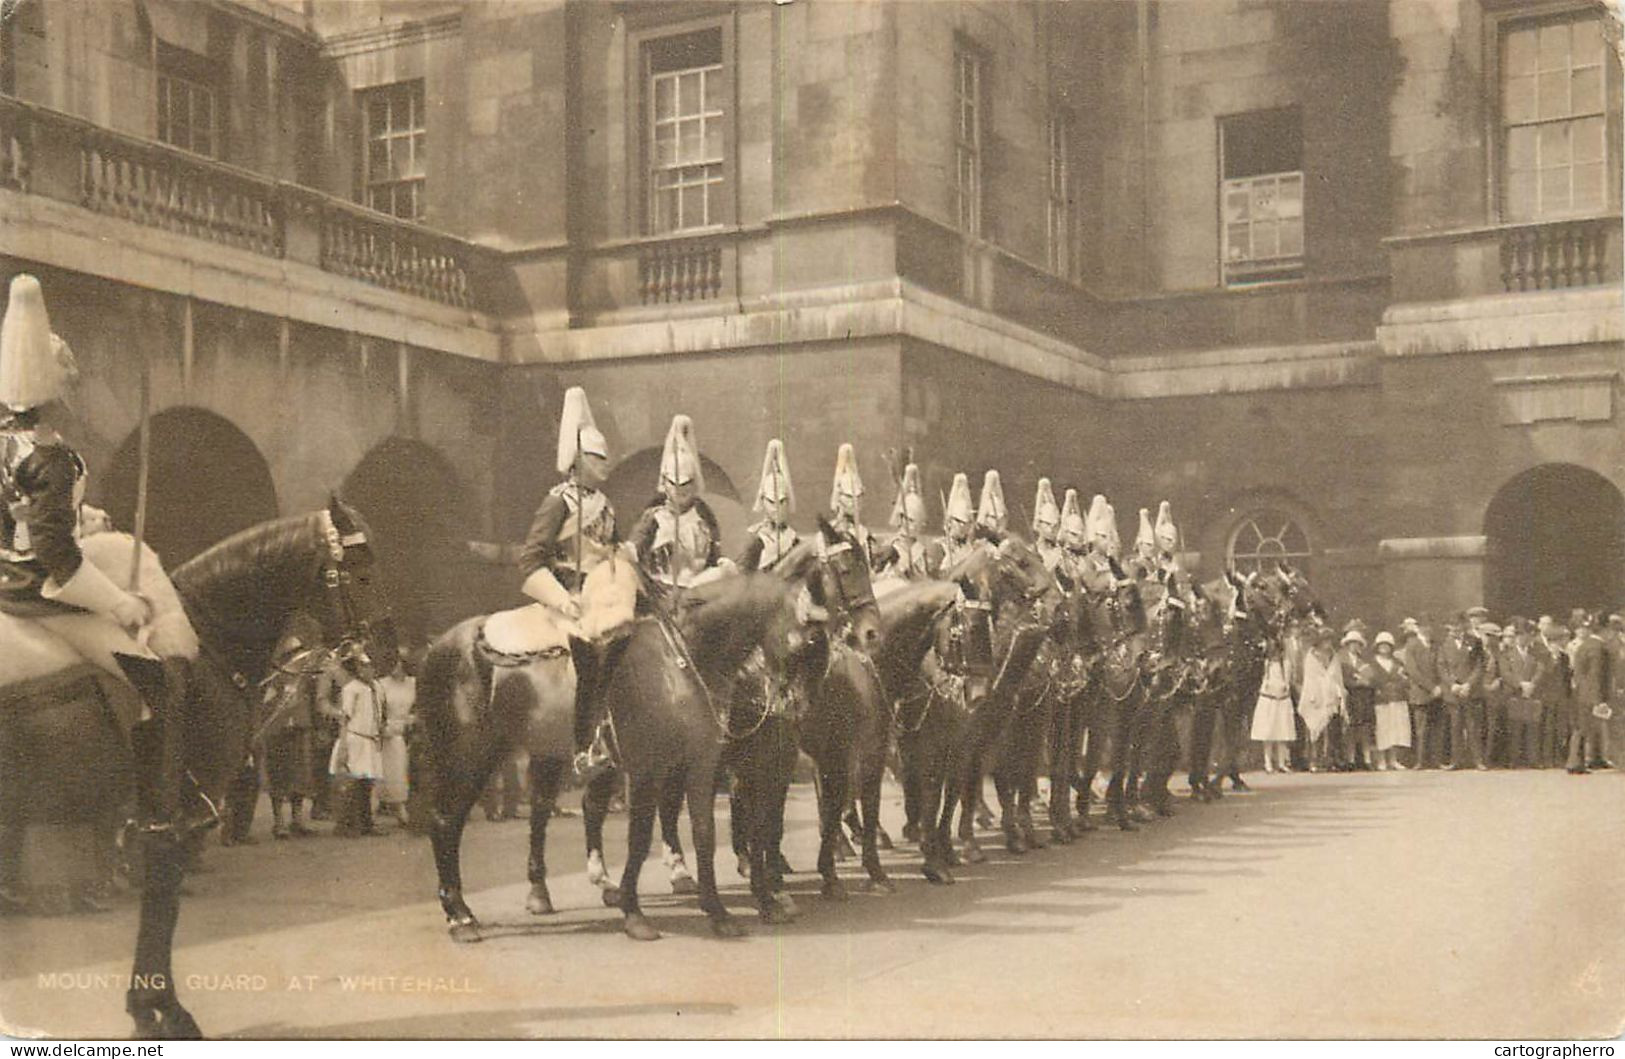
152,184
680,271
1555,255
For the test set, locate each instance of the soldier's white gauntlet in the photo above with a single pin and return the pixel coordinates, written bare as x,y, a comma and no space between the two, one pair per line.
92,590
545,589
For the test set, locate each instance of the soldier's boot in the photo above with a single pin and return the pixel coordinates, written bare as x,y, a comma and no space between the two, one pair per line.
170,800
279,819
593,753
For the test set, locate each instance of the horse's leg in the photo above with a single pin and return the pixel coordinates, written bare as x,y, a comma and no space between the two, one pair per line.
1009,808
545,773
930,782
871,773
641,809
1201,746
671,812
739,812
833,775
1061,763
966,772
908,760
595,801
702,820
783,750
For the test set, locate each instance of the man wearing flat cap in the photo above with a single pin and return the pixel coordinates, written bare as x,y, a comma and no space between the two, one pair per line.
1425,695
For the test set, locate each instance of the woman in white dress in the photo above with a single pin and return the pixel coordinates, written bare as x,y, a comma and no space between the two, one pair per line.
399,692
1322,697
1272,716
1386,676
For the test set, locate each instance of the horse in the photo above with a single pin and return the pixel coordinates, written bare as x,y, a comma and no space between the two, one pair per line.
1167,677
238,595
1118,629
661,712
1044,720
983,646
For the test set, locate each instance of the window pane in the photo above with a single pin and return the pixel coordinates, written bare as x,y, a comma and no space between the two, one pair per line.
1587,90
203,141
1290,203
400,114
1237,204
713,140
1586,139
1554,190
665,97
1554,46
688,94
1554,95
713,91
1554,145
1518,101
377,117
417,154
1264,199
1521,148
1291,233
665,144
1266,239
1589,188
400,159
692,207
1238,242
665,210
1520,195
689,144
1520,53
377,159
1588,44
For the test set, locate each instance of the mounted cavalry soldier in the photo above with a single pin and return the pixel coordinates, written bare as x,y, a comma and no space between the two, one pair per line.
1047,519
772,537
905,555
571,536
846,501
677,539
56,601
990,510
958,539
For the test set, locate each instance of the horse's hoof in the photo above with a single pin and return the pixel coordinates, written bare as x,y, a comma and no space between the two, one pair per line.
881,885
1015,843
911,833
539,902
835,890
783,901
684,884
971,852
950,856
744,868
1061,834
773,915
724,925
1029,834
638,928
162,1019
466,932
611,896
937,873
883,841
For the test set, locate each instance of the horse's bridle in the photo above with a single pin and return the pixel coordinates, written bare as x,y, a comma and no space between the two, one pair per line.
341,613
849,603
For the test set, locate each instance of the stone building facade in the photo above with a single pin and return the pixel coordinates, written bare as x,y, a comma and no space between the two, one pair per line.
1341,281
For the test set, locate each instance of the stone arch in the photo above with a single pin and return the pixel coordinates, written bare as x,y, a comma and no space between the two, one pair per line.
1554,539
418,509
206,480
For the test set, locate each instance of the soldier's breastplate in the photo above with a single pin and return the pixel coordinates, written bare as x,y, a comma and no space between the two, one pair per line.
775,544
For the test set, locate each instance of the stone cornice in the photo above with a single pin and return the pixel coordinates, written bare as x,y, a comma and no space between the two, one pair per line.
377,38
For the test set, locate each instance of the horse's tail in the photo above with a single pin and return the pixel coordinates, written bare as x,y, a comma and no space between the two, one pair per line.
436,706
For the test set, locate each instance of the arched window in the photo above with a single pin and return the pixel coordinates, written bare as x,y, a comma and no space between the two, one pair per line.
1265,537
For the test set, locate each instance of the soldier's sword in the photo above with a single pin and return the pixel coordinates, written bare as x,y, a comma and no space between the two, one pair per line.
142,473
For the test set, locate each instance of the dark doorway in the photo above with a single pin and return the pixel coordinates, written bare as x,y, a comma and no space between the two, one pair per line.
1555,539
206,481
412,499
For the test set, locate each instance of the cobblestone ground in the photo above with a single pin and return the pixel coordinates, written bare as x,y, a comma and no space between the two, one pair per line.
1418,904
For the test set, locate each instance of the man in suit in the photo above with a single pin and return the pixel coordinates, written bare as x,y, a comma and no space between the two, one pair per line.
1463,665
1590,691
1615,638
1426,693
1554,691
1523,672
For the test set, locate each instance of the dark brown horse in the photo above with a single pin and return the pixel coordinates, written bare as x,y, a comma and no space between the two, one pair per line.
239,596
1118,624
824,701
666,723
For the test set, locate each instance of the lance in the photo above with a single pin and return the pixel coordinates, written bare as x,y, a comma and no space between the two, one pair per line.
581,575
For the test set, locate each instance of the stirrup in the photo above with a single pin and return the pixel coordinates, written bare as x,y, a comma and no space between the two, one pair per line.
591,762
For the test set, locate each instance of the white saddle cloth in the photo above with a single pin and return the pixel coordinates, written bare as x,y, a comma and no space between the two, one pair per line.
608,599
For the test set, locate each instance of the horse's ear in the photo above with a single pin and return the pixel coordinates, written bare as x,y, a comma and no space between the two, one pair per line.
827,530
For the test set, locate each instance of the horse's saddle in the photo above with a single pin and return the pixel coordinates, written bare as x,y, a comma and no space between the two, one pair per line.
530,632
